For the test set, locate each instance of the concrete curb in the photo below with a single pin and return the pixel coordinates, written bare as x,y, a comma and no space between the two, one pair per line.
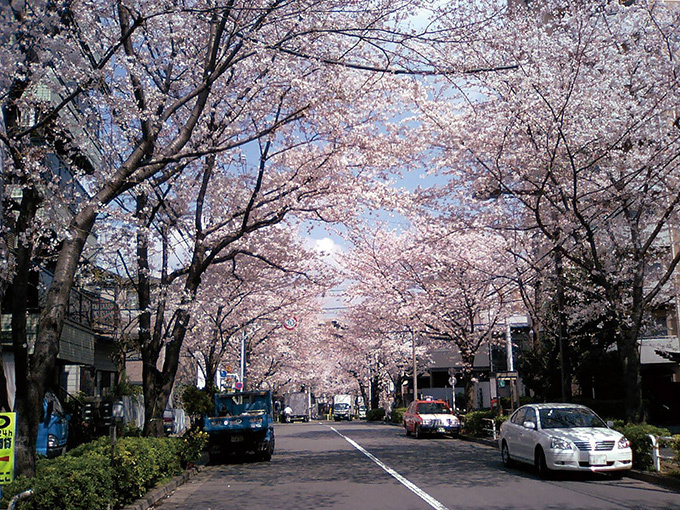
155,495
665,481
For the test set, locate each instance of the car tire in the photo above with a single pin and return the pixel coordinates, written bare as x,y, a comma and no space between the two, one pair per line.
408,432
505,455
418,433
541,465
266,455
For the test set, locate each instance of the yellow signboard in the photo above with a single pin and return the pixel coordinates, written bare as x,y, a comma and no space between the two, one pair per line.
7,436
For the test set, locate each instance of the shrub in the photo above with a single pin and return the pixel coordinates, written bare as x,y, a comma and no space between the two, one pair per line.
89,478
397,414
640,443
196,402
675,444
375,414
499,420
473,423
140,463
192,446
76,483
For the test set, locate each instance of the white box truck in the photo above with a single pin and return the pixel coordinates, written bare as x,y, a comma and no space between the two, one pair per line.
343,407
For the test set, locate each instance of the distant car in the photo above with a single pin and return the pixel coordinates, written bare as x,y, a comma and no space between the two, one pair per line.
169,422
430,417
53,428
342,411
361,412
565,437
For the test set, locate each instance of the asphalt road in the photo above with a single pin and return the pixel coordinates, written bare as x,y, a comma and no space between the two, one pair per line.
370,466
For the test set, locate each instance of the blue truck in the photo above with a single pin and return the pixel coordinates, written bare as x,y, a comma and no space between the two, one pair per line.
52,429
242,423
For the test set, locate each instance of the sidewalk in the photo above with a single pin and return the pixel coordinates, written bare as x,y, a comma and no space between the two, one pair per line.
154,496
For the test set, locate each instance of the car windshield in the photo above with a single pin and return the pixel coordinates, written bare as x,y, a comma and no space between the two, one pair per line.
236,404
342,406
433,408
569,417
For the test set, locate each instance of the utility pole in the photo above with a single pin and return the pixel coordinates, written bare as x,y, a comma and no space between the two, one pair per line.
243,360
415,367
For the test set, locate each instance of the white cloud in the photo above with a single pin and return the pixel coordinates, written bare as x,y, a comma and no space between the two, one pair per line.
327,247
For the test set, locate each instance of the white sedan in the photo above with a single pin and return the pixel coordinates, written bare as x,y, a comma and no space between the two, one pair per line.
563,436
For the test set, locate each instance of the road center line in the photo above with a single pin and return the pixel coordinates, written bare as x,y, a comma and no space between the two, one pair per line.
406,483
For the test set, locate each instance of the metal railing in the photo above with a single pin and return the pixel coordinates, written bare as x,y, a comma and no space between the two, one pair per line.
657,455
490,427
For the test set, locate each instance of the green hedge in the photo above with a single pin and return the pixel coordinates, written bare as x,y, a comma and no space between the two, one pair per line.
375,414
89,478
640,443
473,423
397,414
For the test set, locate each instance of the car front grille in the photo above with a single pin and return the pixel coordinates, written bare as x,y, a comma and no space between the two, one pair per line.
599,446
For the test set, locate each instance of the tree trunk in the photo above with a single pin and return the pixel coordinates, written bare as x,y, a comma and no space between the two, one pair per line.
375,392
25,403
630,360
43,361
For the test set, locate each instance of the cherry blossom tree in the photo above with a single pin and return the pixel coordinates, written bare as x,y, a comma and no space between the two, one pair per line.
161,85
253,305
578,142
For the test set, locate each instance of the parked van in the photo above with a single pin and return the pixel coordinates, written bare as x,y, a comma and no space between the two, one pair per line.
53,428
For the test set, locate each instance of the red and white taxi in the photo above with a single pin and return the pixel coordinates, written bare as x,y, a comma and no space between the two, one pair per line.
430,416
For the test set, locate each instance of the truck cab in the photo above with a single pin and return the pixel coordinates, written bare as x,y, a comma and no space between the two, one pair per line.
241,423
52,429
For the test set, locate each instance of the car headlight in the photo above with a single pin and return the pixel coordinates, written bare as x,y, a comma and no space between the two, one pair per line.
52,441
557,443
624,443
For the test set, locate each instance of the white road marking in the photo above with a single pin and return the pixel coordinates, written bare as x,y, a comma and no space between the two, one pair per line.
405,482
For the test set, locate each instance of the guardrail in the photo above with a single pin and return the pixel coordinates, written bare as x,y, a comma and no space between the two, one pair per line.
657,457
490,427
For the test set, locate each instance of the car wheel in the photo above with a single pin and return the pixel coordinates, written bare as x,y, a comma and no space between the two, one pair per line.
541,465
418,432
266,455
505,455
408,432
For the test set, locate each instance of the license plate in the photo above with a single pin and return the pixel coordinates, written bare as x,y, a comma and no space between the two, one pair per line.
441,430
237,438
598,460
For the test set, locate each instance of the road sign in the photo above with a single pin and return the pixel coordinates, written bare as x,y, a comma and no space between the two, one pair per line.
452,381
239,385
290,323
7,441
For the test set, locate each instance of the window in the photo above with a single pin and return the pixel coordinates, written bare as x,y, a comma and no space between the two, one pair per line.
518,417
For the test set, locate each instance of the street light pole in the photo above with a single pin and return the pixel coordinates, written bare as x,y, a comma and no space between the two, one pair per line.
243,360
415,368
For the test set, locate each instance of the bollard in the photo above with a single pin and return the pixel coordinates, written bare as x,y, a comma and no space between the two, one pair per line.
656,460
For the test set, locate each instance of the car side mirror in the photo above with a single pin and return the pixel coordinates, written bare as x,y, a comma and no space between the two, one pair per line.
529,425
